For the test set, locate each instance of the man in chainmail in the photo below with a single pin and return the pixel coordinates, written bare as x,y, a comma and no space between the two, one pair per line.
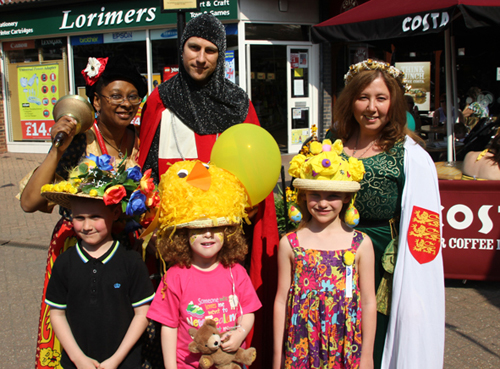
184,116
182,119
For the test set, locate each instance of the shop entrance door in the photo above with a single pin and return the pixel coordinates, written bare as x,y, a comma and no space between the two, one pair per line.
268,89
280,89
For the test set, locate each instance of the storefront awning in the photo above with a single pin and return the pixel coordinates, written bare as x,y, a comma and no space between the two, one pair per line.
389,19
395,21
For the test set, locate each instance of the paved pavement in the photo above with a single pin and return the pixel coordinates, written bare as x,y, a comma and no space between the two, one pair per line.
472,309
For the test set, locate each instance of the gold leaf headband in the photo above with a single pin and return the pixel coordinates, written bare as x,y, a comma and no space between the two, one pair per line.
370,64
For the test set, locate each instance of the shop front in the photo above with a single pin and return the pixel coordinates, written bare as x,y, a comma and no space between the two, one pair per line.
269,54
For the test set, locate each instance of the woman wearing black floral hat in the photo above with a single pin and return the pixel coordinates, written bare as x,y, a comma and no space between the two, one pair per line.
115,89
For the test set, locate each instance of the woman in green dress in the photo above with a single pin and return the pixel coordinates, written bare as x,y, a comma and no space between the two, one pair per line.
370,118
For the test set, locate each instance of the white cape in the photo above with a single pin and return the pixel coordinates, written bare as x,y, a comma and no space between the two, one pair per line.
415,336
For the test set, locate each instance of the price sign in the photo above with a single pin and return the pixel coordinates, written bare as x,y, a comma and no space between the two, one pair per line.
38,93
37,129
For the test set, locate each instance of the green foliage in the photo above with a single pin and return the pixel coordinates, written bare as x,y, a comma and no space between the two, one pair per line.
284,223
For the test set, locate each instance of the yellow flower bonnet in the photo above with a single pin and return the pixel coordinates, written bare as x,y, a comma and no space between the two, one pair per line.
322,168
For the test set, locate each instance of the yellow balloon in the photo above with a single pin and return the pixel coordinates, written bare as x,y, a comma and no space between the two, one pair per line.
252,155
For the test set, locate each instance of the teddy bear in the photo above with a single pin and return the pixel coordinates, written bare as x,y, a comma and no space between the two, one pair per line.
207,341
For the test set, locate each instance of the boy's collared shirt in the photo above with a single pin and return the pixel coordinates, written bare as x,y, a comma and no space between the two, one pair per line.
99,296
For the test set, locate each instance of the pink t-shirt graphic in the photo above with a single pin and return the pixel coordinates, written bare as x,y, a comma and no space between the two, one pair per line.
193,295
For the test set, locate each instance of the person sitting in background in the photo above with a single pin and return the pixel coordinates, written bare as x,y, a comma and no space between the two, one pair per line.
484,164
477,104
412,115
439,116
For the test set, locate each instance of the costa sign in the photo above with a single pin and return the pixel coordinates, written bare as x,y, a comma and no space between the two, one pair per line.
471,229
426,22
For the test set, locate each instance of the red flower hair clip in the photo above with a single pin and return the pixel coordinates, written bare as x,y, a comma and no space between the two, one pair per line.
94,69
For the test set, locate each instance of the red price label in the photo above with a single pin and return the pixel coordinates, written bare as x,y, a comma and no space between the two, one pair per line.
37,129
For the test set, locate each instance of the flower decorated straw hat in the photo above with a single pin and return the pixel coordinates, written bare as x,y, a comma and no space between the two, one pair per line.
96,178
319,167
199,195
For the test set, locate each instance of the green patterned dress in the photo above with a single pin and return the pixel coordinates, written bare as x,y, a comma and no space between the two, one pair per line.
379,201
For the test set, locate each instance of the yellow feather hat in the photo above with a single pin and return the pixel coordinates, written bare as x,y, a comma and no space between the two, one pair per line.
199,195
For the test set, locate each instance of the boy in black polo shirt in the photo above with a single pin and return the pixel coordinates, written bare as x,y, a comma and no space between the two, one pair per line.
99,292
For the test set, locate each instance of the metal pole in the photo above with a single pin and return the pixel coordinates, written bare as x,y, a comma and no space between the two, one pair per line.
455,89
149,62
449,93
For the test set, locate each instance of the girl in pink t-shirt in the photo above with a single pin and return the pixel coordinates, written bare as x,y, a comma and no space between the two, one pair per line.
201,238
205,282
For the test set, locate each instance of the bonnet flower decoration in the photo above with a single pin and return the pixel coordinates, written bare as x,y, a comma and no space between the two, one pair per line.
96,177
94,69
322,161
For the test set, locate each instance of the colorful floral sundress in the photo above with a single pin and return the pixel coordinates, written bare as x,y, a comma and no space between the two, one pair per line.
323,326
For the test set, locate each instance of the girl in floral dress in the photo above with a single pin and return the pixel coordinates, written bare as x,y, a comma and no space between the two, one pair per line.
325,308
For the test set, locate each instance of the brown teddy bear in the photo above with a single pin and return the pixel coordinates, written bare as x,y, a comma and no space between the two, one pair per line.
207,341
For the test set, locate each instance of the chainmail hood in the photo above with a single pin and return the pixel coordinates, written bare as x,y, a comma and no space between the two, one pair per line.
215,106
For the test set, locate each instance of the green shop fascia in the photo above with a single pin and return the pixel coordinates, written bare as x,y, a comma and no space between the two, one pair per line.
67,19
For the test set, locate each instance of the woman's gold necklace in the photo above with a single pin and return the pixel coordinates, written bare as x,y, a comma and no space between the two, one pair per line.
120,153
364,152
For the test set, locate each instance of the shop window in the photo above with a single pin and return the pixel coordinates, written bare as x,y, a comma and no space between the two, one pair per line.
53,53
277,32
23,56
165,55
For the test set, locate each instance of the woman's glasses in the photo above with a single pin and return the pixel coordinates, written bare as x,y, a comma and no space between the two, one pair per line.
119,99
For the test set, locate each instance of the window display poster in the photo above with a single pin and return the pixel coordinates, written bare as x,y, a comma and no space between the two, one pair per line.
298,87
302,60
299,136
38,93
230,75
169,71
294,60
418,76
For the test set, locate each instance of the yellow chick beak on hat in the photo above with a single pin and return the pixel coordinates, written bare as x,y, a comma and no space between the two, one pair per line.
199,177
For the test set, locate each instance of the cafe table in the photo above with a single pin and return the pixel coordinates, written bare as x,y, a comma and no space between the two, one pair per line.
436,148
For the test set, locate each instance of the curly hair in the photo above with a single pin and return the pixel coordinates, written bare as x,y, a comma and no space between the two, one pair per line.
343,112
175,249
